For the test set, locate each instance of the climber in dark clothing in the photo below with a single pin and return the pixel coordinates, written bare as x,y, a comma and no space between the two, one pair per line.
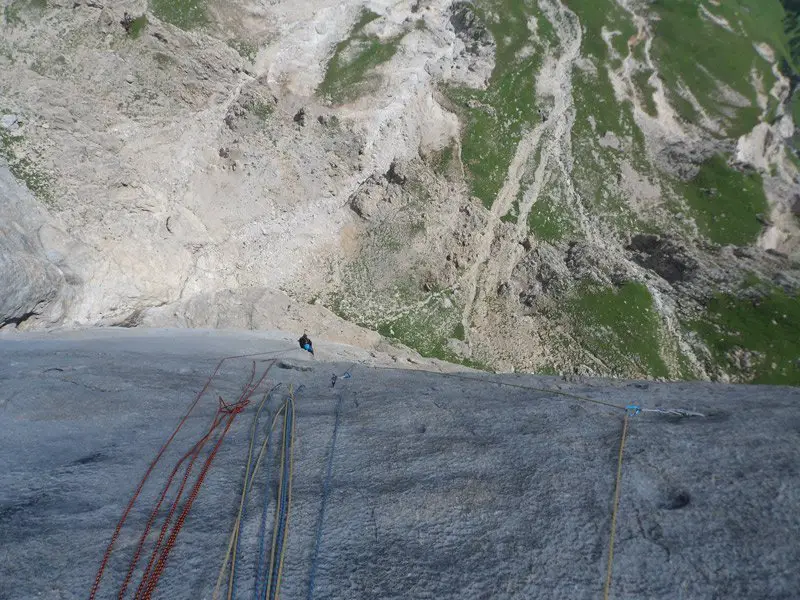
305,343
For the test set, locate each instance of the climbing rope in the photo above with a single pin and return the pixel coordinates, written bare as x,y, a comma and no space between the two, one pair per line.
527,387
163,534
144,479
246,490
190,456
674,412
150,580
630,411
268,574
326,488
262,530
193,453
265,446
159,554
283,508
668,411
243,505
164,555
235,538
222,410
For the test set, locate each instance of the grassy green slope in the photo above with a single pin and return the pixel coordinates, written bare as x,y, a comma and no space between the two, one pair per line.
497,117
621,327
726,202
598,112
186,14
767,327
618,327
694,52
347,76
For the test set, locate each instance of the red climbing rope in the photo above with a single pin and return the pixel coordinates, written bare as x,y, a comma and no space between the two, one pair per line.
162,560
193,453
159,555
138,491
224,409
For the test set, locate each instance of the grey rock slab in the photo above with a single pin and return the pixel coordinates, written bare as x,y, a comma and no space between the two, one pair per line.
28,281
446,486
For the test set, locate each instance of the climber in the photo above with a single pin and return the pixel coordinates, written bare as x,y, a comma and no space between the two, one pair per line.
305,343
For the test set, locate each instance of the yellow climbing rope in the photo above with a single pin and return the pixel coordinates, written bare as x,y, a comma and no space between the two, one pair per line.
230,555
288,501
237,524
277,553
616,507
260,458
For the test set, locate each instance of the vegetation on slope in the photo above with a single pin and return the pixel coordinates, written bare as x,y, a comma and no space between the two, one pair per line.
347,75
756,338
620,327
726,203
705,68
708,49
497,117
387,288
136,26
246,50
599,113
14,12
551,219
23,168
186,14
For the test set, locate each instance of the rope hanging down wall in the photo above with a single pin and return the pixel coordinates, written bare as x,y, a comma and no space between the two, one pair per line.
221,423
233,550
201,456
631,410
271,572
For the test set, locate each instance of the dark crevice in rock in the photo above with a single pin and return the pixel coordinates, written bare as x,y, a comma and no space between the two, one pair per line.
17,321
132,320
392,175
89,459
664,256
677,500
287,365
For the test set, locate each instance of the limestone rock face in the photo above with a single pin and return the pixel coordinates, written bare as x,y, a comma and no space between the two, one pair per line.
405,483
454,177
29,283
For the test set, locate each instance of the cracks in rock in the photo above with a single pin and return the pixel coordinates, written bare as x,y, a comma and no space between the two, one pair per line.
17,321
5,402
132,320
653,534
374,523
94,388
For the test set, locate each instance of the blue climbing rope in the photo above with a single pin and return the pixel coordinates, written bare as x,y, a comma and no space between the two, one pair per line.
262,531
326,488
248,483
282,517
266,586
